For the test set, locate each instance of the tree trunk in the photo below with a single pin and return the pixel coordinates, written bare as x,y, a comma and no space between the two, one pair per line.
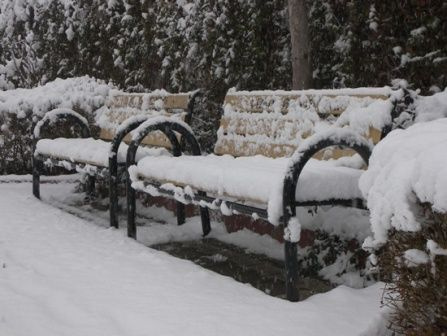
299,33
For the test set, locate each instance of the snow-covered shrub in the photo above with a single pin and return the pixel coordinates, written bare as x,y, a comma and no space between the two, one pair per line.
334,258
415,264
145,45
20,109
405,186
214,45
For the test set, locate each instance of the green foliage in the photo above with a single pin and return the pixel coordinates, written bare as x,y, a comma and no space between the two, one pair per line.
182,45
371,43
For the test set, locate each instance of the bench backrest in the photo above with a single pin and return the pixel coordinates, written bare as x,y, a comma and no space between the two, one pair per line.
121,106
273,123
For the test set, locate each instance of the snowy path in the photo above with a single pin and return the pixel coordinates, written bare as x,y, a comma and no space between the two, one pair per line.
60,275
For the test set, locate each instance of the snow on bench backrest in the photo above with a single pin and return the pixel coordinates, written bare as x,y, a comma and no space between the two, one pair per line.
273,123
121,106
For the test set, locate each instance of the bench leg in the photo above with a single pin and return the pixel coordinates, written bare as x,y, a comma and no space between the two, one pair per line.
291,268
205,217
113,197
131,226
181,213
36,178
91,186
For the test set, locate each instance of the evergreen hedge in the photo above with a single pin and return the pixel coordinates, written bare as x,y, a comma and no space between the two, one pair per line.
182,45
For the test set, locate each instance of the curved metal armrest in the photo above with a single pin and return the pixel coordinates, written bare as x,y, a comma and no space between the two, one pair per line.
62,113
337,137
168,127
128,126
317,142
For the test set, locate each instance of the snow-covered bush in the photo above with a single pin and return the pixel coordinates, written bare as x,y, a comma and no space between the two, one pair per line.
145,45
405,186
214,45
20,109
415,265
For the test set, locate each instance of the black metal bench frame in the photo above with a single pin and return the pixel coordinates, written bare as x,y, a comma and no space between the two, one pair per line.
204,201
201,199
114,168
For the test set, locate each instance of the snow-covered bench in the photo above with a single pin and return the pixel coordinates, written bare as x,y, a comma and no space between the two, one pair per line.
122,113
266,160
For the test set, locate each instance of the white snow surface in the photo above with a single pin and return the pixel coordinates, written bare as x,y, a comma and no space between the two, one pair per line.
415,257
61,275
431,107
406,167
90,150
362,91
84,93
256,178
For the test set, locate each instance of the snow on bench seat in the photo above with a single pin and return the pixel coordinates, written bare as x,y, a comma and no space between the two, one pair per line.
89,150
256,178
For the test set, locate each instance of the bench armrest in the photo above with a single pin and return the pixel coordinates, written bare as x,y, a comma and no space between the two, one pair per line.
168,126
62,113
334,137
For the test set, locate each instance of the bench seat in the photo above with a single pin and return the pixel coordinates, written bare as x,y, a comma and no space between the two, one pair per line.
291,130
89,150
256,178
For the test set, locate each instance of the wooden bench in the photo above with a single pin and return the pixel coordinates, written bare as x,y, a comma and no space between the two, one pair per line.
266,158
106,155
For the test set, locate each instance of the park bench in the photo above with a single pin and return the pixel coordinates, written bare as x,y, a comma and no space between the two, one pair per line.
267,158
106,155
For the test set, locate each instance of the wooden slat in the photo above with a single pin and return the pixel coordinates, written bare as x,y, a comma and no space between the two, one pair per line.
266,103
124,106
145,101
248,147
118,116
267,117
154,139
268,126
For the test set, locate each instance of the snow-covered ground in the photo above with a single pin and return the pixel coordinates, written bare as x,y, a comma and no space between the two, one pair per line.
63,275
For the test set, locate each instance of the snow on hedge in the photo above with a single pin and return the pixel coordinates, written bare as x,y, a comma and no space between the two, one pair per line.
80,93
431,107
21,109
407,167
